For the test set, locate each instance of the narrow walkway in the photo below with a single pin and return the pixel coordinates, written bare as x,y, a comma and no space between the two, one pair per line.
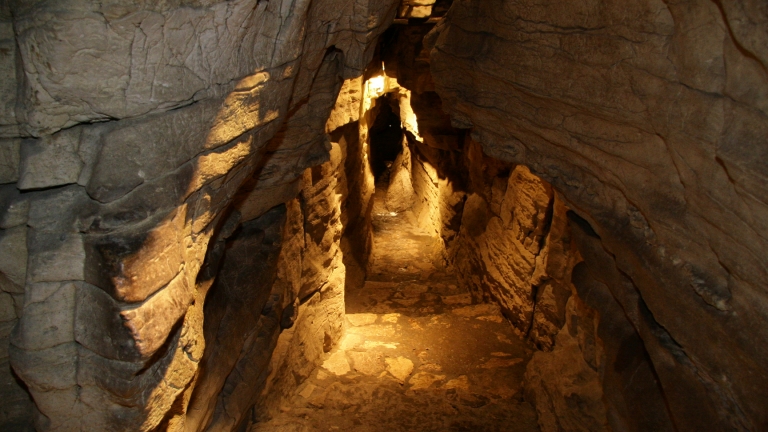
417,355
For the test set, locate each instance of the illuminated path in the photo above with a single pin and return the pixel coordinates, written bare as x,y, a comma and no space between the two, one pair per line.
417,355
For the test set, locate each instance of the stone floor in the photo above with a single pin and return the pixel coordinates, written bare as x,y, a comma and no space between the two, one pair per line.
417,354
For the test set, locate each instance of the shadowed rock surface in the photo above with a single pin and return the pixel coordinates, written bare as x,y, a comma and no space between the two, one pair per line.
187,215
637,113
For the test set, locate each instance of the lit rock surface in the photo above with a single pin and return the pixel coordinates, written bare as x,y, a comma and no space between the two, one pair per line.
638,113
502,246
146,139
186,195
400,189
413,365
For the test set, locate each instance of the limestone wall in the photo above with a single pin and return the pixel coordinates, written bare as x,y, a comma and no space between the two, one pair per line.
511,239
649,118
136,137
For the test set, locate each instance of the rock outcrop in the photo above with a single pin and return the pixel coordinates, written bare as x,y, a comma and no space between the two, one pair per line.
149,142
639,114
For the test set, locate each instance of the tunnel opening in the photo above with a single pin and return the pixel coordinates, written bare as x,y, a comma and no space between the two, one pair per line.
443,310
386,140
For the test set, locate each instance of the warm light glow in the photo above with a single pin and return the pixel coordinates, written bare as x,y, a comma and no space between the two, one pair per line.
376,85
407,116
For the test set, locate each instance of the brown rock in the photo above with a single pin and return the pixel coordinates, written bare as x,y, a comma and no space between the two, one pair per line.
367,363
400,367
424,380
132,264
400,190
642,142
554,380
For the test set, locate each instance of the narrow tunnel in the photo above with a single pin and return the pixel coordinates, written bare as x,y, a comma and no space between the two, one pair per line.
466,274
394,215
386,141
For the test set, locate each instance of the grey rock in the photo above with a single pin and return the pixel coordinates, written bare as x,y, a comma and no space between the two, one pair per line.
13,258
8,84
55,257
190,93
99,325
9,160
634,126
14,207
50,161
152,198
48,318
7,310
141,151
6,327
17,408
88,151
133,263
144,60
62,210
48,372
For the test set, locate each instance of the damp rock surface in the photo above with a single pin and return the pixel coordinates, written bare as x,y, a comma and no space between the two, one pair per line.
416,354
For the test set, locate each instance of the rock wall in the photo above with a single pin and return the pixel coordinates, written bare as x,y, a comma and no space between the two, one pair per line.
497,220
349,125
509,237
400,189
318,314
136,137
243,314
639,114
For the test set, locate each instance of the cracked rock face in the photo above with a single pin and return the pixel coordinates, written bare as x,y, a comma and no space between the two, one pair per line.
139,140
183,198
638,113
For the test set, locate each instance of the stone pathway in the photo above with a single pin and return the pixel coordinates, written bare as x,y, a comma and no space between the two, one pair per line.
417,354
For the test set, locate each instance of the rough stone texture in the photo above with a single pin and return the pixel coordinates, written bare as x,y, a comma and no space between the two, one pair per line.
346,110
242,313
564,386
9,160
152,70
247,374
204,106
15,205
356,99
514,247
405,362
552,279
647,118
400,189
416,8
446,166
16,406
438,167
8,85
637,112
319,283
51,161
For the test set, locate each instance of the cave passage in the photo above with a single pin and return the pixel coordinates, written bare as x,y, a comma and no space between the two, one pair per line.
383,215
386,137
416,354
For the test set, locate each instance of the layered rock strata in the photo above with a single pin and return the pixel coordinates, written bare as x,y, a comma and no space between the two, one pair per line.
148,141
639,114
